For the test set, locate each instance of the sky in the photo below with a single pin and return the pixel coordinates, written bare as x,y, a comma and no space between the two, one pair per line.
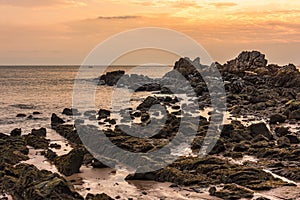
65,31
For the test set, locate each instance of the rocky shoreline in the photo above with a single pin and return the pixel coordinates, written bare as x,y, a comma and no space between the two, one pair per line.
269,93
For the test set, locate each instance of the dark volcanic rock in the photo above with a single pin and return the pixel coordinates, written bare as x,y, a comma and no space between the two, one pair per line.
16,132
55,120
70,163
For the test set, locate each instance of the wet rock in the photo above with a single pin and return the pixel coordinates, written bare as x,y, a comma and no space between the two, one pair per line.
231,192
277,118
55,120
55,146
295,114
12,149
70,111
70,163
16,132
212,170
111,78
241,147
102,114
282,131
68,131
21,115
101,196
260,129
294,139
98,164
247,61
149,87
27,182
262,198
42,132
283,142
37,142
50,155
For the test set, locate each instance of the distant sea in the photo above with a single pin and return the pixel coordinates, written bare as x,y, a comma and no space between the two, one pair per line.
46,89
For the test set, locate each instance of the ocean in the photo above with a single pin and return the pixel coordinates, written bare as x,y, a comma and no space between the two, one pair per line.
47,90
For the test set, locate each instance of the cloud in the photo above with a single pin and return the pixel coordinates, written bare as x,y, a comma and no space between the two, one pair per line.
119,17
223,4
40,3
168,3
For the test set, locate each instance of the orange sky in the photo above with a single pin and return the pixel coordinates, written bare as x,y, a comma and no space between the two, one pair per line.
65,31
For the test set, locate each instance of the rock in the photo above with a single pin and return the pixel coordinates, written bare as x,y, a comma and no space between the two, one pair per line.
282,131
241,147
231,192
21,115
262,198
283,142
70,163
101,196
37,142
277,118
102,113
111,78
50,155
39,132
36,113
260,129
12,149
295,114
55,146
55,120
16,132
70,112
28,183
68,131
293,138
98,164
247,61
